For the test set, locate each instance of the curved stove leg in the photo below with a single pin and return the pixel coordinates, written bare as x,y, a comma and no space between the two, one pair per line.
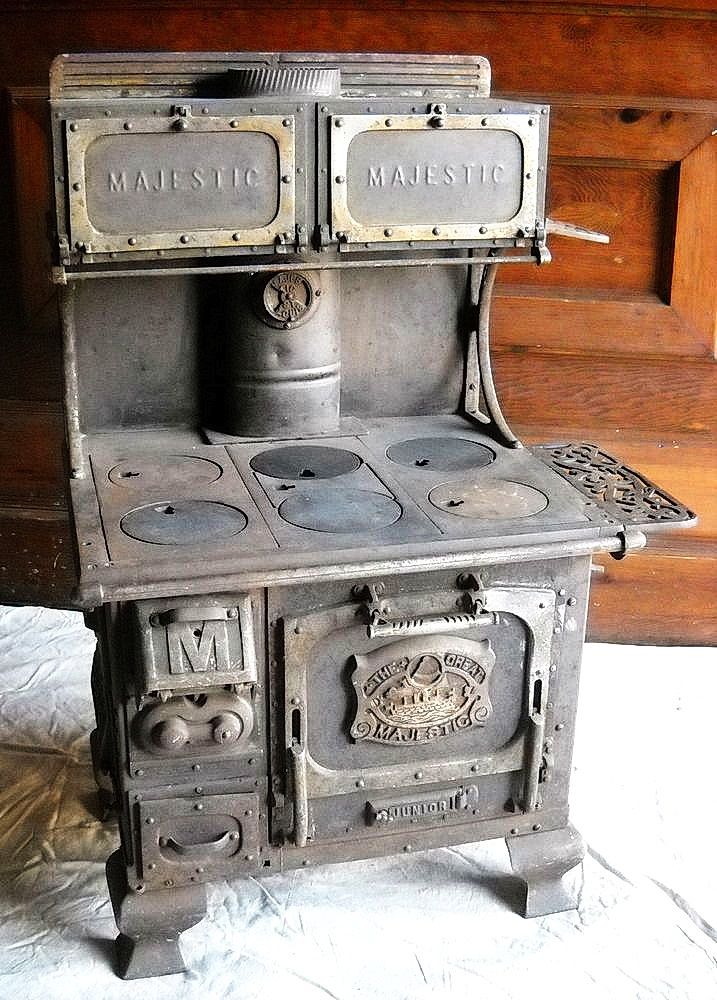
150,923
541,860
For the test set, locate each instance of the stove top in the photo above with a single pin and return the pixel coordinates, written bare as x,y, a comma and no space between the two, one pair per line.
168,498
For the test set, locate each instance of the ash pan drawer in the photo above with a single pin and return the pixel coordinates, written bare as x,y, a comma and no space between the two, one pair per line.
193,840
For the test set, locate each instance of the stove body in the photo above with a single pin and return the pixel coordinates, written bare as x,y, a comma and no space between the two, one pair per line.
339,607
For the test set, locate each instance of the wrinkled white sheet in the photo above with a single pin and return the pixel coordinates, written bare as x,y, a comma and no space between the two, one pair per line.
437,924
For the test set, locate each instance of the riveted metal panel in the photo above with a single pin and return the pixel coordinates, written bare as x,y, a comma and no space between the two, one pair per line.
142,184
400,177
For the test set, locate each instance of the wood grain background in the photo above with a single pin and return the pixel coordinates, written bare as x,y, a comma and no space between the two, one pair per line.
610,343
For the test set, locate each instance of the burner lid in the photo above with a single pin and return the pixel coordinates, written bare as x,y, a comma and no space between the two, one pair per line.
444,454
340,510
186,522
495,500
305,461
165,472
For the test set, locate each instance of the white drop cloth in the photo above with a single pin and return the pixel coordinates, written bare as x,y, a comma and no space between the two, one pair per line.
431,925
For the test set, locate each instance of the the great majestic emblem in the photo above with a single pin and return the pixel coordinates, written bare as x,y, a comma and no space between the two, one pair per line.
423,689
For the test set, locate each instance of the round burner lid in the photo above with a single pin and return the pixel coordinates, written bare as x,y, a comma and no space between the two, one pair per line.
165,472
186,522
498,499
340,510
444,454
305,461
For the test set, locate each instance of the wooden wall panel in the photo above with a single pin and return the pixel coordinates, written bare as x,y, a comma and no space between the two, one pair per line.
614,344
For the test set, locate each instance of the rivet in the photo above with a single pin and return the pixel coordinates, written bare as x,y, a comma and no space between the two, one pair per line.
296,701
286,122
297,629
338,122
205,111
184,238
408,848
531,121
73,126
196,767
248,812
559,727
199,790
169,883
528,176
340,179
418,775
199,806
388,232
299,170
436,231
514,830
562,592
360,783
543,111
484,121
572,601
537,826
151,866
128,126
324,108
483,229
474,768
389,122
150,820
234,835
199,871
77,186
304,863
132,241
286,178
139,772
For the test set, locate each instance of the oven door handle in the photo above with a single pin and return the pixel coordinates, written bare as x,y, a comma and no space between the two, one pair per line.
380,627
297,756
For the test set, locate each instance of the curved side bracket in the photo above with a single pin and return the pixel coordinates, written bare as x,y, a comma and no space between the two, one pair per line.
479,384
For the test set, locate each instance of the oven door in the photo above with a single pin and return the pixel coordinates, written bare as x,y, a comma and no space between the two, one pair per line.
423,717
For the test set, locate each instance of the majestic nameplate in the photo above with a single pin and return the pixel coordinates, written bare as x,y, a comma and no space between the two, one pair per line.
157,183
422,690
412,178
400,178
143,184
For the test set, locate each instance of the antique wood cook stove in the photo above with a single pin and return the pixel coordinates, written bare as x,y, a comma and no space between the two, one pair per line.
339,607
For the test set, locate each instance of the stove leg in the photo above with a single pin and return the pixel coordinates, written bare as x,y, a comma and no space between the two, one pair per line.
150,923
541,860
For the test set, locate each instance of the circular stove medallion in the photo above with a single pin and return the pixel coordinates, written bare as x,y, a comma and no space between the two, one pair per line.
340,510
305,461
186,522
165,472
498,499
444,454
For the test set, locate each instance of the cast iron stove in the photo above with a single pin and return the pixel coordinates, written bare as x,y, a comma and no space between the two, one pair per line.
339,606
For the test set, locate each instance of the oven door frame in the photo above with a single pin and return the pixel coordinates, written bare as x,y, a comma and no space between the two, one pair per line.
308,780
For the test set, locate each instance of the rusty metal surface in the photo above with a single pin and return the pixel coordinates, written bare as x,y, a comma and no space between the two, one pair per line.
319,638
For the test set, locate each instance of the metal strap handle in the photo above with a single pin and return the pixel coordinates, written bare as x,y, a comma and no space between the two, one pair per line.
297,754
380,627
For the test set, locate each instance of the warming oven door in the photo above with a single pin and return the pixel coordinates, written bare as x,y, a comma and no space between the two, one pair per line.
409,713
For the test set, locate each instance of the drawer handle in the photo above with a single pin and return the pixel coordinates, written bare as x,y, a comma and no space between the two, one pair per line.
217,846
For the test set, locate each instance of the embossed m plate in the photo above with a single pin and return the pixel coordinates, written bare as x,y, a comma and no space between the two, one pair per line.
143,184
423,689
